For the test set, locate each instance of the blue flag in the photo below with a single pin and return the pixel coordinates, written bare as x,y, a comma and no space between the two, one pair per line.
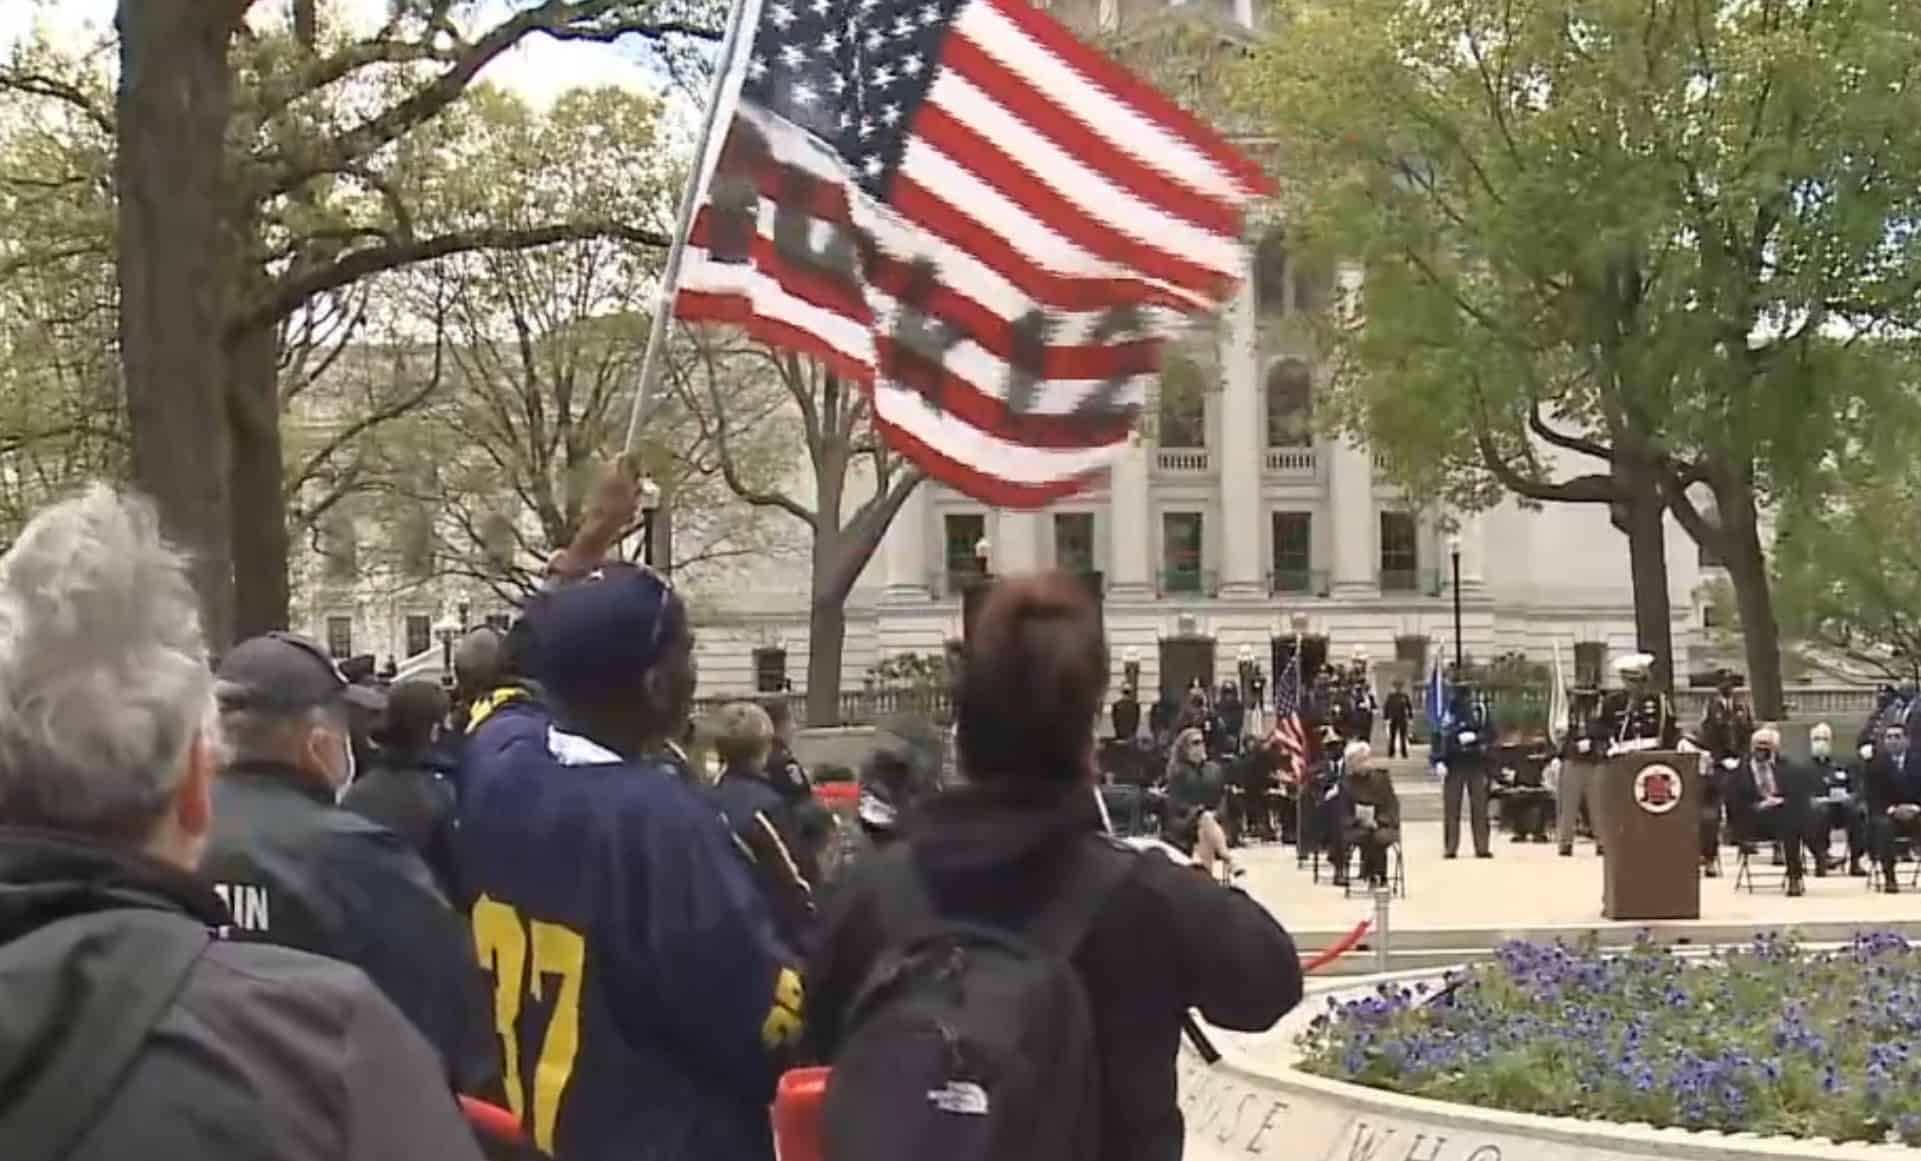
1438,703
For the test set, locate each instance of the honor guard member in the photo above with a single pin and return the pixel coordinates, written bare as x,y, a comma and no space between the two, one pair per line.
298,870
1588,738
1646,716
643,1003
1470,731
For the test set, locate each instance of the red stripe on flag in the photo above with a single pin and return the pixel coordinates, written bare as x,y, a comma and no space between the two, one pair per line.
738,310
971,481
990,414
1049,208
1051,119
1127,89
817,290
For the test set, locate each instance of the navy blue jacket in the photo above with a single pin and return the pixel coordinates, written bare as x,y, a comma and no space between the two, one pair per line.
647,1003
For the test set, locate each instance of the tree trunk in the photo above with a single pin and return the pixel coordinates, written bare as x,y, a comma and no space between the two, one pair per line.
826,641
261,543
1747,570
1640,515
174,101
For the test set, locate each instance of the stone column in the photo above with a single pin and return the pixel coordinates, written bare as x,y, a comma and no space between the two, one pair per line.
1241,436
1130,572
1016,543
1473,551
1350,503
904,551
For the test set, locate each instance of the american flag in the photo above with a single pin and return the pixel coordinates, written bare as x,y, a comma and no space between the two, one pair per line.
988,225
1288,731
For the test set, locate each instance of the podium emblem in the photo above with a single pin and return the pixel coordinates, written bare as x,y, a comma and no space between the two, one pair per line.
1657,788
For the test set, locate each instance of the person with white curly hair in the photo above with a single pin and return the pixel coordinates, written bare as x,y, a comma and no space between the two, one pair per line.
133,1029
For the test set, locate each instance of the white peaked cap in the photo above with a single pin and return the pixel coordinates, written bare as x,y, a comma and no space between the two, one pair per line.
1634,663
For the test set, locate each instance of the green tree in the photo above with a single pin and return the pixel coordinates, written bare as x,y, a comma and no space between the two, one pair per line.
268,158
1848,564
1628,235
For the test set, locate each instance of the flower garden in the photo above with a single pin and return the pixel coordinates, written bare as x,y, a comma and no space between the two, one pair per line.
1770,1039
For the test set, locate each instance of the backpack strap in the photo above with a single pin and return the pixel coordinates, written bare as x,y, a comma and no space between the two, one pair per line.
115,1023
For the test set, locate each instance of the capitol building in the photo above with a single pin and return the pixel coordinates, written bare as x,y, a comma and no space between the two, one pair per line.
1231,526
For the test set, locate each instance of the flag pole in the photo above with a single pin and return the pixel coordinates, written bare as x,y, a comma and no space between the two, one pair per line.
676,249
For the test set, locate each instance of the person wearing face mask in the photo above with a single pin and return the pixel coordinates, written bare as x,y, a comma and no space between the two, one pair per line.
1773,798
298,870
1837,798
1892,788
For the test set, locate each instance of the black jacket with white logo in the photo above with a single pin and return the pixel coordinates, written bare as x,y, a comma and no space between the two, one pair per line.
299,871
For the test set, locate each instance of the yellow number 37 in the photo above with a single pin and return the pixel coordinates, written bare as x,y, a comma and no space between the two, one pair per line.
502,941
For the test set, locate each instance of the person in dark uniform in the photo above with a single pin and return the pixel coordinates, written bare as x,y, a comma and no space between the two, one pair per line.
1726,726
1646,715
1230,717
403,792
1465,747
1589,735
1127,714
1399,711
1892,786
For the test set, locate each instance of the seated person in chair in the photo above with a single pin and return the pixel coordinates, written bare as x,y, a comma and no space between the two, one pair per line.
1837,802
1892,787
1370,816
1772,798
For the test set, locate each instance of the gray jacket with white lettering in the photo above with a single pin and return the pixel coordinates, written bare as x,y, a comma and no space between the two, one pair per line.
129,1031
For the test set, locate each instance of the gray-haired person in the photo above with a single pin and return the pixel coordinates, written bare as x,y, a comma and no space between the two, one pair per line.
132,1029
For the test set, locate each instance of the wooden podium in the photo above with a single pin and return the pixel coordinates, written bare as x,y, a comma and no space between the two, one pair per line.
1649,815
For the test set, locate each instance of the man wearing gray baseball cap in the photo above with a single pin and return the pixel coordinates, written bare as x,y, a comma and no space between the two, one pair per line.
298,870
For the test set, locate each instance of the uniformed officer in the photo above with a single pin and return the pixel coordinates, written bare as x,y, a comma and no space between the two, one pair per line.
1643,717
1470,731
1588,738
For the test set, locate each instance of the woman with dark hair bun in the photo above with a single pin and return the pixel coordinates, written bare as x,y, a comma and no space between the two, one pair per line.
1019,843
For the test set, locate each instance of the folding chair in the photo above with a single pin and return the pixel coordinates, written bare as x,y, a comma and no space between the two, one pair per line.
1396,875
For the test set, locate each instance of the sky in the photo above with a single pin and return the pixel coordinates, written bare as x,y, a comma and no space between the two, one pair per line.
539,69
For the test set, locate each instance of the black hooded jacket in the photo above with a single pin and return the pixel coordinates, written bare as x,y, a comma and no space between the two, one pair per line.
1168,939
249,1051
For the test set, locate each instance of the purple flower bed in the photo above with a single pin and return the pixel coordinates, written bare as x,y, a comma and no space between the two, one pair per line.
1768,1039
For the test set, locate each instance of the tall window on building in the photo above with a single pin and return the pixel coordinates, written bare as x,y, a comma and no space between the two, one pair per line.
1293,552
1400,553
1181,552
963,532
340,547
420,634
1290,403
1183,401
1270,273
770,669
1074,542
340,637
415,532
1589,658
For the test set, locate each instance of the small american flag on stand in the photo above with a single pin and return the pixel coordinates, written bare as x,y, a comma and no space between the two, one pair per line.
987,224
1289,734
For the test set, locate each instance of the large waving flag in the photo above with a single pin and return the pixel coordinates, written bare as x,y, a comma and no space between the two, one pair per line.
1437,709
1288,730
984,222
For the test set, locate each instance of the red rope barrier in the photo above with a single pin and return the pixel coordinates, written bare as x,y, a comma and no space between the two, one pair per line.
1346,944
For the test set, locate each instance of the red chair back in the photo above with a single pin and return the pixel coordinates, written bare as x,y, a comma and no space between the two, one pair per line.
799,1104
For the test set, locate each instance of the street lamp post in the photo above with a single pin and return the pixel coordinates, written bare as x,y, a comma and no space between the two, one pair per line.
1460,655
447,630
649,505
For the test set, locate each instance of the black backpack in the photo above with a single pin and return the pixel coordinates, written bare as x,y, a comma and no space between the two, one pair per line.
969,1042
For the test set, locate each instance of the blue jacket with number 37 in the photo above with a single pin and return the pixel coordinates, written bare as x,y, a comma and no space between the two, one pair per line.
644,1004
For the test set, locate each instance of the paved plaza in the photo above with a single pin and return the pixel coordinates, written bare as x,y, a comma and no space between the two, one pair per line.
1528,887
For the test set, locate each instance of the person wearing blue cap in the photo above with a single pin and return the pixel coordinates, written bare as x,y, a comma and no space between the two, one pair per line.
642,997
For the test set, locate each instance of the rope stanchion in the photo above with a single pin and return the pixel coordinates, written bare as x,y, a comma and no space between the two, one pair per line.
1346,944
